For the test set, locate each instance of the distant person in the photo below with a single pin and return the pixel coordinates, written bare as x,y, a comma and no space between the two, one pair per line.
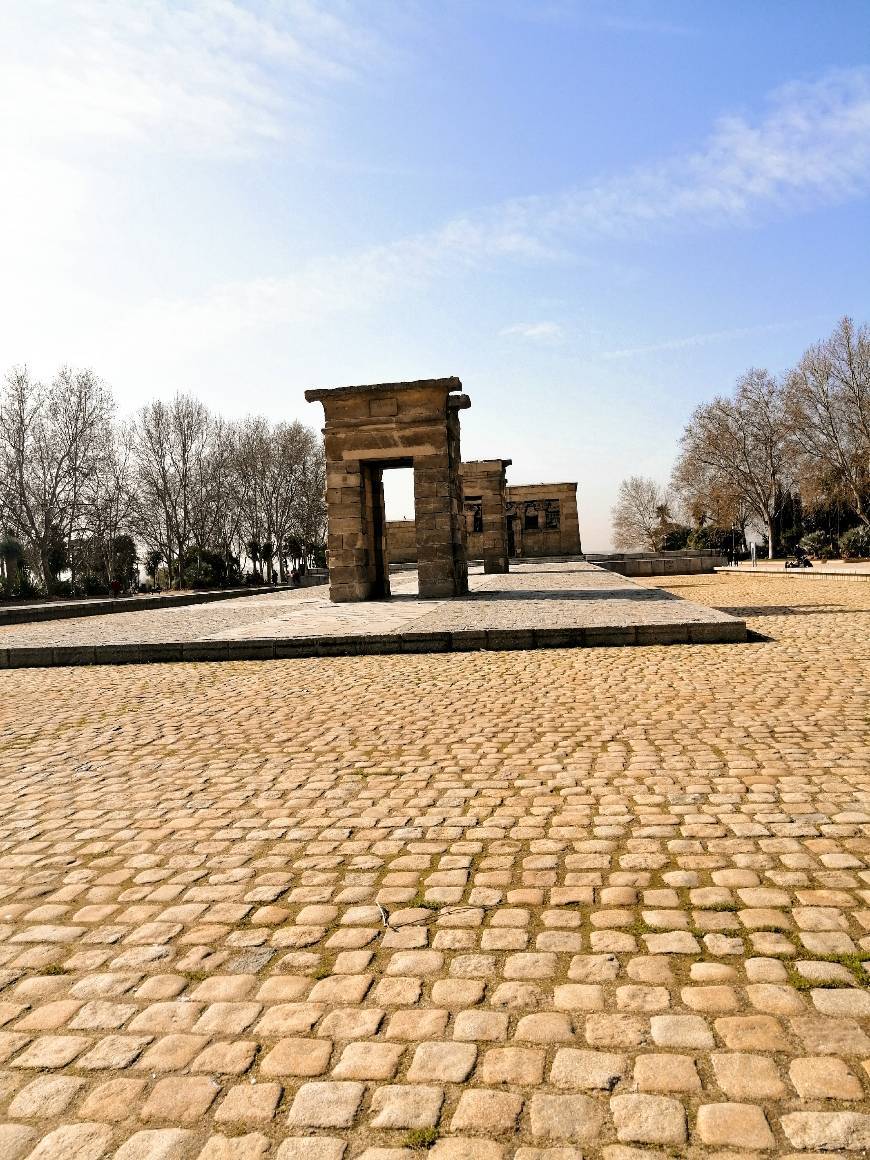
752,553
294,577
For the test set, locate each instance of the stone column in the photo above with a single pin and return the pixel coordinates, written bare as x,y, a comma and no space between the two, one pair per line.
484,479
348,529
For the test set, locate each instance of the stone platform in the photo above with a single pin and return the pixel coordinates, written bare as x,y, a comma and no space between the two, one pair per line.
557,605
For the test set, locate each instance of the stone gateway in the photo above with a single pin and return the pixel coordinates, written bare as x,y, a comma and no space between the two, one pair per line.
368,430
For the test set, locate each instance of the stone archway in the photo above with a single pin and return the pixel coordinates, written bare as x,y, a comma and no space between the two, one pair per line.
368,430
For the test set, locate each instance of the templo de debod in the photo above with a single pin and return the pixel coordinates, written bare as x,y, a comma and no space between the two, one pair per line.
461,510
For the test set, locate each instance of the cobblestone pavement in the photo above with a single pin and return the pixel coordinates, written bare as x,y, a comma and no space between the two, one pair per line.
521,906
531,596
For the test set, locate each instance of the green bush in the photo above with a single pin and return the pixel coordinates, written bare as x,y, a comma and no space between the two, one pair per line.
204,569
818,545
22,588
715,537
673,537
855,544
199,574
92,584
318,555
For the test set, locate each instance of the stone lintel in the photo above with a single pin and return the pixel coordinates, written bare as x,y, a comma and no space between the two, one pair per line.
449,386
483,466
542,487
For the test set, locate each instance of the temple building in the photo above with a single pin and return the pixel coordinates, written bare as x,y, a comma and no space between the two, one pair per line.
541,519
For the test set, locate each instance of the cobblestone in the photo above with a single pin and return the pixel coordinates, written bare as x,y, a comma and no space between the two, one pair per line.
526,905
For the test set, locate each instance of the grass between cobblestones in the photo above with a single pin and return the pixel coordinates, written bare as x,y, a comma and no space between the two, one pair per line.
489,906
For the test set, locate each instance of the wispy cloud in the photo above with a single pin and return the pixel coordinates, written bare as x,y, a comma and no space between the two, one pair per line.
540,331
599,14
694,340
220,78
811,147
84,83
213,77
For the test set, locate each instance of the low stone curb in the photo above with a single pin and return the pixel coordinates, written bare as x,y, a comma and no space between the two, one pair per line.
30,613
724,632
796,573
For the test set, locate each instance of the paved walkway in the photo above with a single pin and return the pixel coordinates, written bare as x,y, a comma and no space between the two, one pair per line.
541,604
607,903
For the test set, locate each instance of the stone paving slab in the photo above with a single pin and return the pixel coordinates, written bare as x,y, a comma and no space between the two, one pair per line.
558,605
608,905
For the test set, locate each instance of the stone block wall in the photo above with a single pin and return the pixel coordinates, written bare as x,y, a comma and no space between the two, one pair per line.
553,503
401,541
542,520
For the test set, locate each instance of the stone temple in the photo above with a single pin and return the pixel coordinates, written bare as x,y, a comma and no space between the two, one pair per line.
462,509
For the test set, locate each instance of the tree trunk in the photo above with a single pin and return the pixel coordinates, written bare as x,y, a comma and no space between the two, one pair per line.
770,537
47,575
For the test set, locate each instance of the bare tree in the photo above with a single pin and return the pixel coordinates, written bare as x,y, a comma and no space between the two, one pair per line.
171,441
275,467
638,513
109,501
253,466
706,498
293,445
49,445
828,404
83,413
309,515
744,446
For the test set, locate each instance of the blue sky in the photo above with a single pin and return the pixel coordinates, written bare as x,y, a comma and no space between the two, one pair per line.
596,214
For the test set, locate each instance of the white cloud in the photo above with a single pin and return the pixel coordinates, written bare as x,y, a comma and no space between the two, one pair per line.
212,78
535,330
222,80
86,83
812,146
694,340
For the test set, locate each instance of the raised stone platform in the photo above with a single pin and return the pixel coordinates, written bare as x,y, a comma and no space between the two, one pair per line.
569,605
